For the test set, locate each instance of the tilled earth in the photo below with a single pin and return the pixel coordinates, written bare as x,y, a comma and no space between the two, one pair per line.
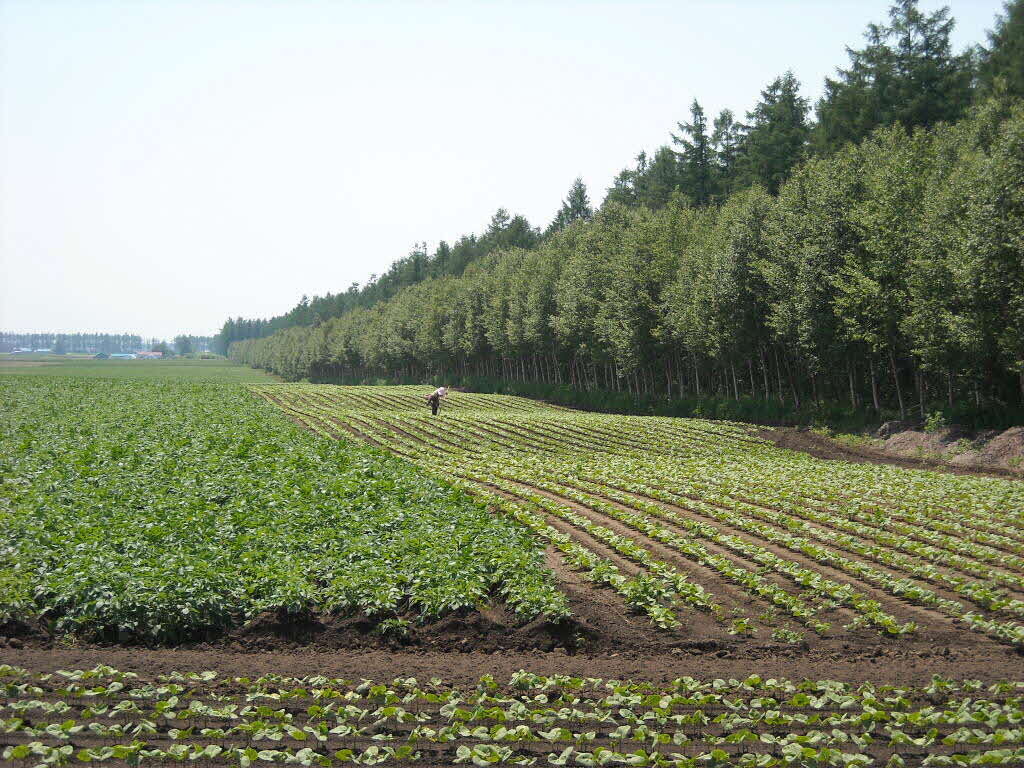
461,649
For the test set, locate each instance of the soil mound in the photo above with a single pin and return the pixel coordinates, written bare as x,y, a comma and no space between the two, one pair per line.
484,631
15,633
951,449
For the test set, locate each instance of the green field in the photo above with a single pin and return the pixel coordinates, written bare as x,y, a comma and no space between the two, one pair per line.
102,714
146,507
178,370
708,528
151,508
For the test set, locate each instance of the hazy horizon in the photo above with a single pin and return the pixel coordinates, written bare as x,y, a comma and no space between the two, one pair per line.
166,165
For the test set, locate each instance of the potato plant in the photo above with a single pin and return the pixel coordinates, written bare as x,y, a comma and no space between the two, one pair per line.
166,510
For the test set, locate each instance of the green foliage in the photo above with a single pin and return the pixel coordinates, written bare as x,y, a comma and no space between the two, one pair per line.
163,509
775,139
526,719
688,485
1002,62
696,158
906,74
503,231
935,421
884,276
575,207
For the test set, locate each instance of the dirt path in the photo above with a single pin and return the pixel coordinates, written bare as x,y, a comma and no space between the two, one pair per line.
895,665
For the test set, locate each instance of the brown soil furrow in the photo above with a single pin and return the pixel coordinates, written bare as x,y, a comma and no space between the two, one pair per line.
416,438
494,436
900,606
289,410
892,499
716,549
729,491
597,607
455,427
469,438
580,536
706,577
376,400
562,437
927,618
817,504
603,438
968,521
1007,569
893,570
529,437
430,439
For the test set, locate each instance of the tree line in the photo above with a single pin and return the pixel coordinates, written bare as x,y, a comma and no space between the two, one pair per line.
105,343
63,343
873,255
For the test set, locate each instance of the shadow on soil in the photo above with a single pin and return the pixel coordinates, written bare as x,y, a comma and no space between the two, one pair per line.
480,631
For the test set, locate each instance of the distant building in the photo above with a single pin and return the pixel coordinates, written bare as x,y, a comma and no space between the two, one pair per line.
123,356
150,355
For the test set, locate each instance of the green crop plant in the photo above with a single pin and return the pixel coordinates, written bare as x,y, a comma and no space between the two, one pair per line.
162,510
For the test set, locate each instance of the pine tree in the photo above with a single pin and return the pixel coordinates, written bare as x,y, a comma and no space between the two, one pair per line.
725,144
696,157
906,73
575,207
1003,61
776,136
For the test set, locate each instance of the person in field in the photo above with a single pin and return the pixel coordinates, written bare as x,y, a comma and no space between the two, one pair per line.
435,398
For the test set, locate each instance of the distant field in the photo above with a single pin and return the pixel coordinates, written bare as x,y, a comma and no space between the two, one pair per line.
189,370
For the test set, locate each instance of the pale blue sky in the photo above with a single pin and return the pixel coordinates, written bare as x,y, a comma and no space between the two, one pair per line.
166,163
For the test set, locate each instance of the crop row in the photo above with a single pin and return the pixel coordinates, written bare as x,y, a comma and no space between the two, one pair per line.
102,715
723,501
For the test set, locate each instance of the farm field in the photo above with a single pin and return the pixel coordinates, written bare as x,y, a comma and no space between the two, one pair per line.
105,715
145,511
85,366
710,532
221,572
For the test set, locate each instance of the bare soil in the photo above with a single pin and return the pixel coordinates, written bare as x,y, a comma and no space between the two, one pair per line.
895,665
905,450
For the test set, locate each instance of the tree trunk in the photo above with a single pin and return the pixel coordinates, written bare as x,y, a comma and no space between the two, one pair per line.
896,380
778,373
764,372
920,391
792,383
874,386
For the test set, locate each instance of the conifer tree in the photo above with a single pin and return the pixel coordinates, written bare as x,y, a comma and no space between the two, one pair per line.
696,157
776,135
906,73
1003,61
